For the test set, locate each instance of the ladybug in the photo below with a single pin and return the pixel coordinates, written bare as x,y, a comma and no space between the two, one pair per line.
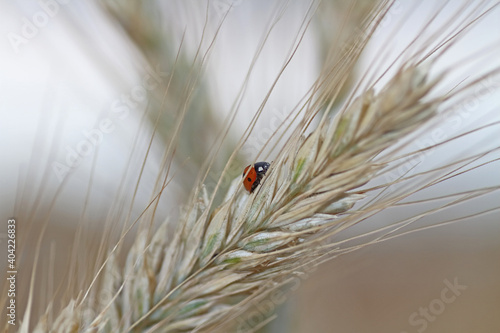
255,175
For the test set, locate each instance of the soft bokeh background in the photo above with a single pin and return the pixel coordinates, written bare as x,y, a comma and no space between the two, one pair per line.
94,62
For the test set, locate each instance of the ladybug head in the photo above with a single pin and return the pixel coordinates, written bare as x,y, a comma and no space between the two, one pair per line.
261,167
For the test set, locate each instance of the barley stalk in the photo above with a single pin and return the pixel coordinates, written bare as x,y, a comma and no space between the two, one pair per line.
220,259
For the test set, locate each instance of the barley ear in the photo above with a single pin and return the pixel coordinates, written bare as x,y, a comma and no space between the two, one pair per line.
254,241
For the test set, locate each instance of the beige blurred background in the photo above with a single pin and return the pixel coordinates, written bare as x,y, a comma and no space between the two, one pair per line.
59,85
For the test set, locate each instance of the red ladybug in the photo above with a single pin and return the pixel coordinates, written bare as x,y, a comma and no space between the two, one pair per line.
254,176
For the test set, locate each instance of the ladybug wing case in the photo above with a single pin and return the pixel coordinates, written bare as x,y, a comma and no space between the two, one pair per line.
250,179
